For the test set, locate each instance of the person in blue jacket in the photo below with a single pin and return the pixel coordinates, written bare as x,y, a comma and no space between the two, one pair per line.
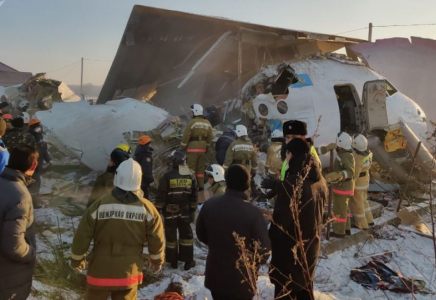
144,156
4,154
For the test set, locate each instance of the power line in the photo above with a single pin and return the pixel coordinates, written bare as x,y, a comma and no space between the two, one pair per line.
392,25
98,59
352,30
63,67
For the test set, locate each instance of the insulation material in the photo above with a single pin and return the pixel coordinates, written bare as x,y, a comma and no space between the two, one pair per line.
90,133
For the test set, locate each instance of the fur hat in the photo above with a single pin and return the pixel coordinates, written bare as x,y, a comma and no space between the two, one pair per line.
295,127
238,178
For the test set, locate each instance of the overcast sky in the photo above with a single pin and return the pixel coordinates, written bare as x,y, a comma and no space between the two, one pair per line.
45,35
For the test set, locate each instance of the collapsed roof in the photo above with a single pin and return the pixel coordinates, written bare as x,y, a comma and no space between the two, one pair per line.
9,76
173,57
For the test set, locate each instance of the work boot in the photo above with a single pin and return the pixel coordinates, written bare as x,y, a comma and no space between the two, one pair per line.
337,235
347,232
189,265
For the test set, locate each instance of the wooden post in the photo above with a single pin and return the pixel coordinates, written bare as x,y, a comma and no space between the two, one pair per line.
370,32
329,209
403,194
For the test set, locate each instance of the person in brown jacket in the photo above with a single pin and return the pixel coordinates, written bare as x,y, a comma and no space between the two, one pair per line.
105,182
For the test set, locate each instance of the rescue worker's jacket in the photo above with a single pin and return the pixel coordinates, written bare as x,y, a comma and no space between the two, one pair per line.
218,188
363,164
197,136
241,152
273,160
120,223
177,193
344,166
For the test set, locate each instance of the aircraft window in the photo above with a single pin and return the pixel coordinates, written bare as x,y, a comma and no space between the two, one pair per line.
282,107
263,110
390,90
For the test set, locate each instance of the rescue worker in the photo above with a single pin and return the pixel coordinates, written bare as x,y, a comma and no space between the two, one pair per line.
359,205
177,200
223,144
241,152
17,135
119,223
144,156
8,119
35,129
126,148
23,106
273,160
105,182
216,180
196,138
342,179
26,119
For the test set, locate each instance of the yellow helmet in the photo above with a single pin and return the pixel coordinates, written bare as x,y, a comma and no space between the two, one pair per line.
125,148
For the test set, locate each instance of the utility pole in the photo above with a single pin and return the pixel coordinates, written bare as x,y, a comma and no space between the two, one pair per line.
370,33
81,81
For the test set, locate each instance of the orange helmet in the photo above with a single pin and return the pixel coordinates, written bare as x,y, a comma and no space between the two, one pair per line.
7,117
34,121
144,139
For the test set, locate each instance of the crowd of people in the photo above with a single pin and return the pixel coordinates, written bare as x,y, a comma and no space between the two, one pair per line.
120,221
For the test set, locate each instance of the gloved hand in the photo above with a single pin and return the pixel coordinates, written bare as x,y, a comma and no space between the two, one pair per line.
154,266
78,265
192,217
333,177
268,183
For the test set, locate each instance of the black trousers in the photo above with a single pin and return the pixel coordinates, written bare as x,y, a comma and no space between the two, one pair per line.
183,248
293,295
217,296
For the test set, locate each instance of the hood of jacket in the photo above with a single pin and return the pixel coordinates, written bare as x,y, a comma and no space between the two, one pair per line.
125,196
15,175
144,149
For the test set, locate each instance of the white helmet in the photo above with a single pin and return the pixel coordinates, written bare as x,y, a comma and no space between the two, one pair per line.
26,117
128,176
277,134
360,142
241,130
217,172
344,140
197,109
24,103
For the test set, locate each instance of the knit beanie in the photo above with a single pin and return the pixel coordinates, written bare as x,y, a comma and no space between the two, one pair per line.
2,127
238,178
18,123
118,156
298,147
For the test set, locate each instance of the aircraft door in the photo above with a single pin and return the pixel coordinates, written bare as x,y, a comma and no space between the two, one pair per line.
374,100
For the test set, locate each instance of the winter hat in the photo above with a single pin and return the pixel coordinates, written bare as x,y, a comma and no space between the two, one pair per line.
18,123
118,156
298,147
295,127
2,127
238,178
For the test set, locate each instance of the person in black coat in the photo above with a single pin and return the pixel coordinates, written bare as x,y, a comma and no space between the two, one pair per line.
144,156
305,184
219,218
223,144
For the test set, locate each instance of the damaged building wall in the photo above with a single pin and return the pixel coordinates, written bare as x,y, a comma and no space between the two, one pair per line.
409,66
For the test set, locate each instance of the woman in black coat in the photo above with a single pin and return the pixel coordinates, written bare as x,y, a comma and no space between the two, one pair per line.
297,217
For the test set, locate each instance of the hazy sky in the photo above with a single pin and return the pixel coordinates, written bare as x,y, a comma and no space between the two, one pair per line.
45,35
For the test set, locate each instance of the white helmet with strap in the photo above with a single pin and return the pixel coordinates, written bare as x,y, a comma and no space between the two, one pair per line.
217,172
24,103
197,109
128,176
241,130
277,134
26,117
344,141
360,143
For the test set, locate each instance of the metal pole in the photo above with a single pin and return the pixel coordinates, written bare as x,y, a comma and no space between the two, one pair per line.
370,33
81,81
329,210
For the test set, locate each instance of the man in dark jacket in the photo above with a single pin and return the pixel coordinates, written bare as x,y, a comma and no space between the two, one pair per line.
177,200
223,144
298,208
17,239
219,218
105,182
4,154
35,129
144,156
